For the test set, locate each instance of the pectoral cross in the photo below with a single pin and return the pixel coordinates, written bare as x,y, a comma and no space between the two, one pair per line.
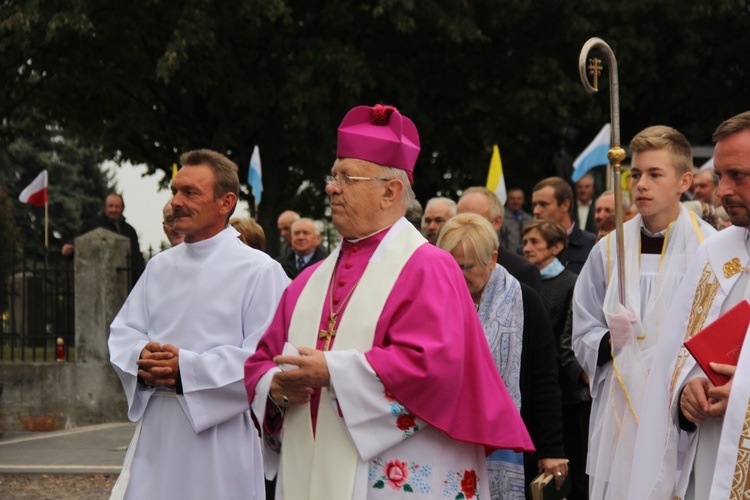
330,333
595,69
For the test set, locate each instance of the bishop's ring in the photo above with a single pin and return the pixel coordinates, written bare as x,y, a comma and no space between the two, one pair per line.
285,400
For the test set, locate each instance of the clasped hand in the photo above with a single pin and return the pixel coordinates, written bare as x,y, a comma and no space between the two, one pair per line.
701,399
159,365
297,385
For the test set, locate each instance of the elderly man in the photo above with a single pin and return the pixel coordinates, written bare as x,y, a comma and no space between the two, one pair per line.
604,212
482,201
167,225
284,224
552,199
306,250
180,341
693,439
704,186
414,214
515,218
357,405
436,213
585,195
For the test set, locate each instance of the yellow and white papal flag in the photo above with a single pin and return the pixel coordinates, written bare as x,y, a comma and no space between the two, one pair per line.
495,177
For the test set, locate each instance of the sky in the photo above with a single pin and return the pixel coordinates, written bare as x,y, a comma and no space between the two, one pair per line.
144,202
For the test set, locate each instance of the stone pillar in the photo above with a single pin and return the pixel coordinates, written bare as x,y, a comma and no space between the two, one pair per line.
100,290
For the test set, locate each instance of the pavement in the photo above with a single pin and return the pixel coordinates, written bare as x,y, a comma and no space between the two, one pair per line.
95,449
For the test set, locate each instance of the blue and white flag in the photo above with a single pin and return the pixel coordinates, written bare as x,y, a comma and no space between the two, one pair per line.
595,153
255,176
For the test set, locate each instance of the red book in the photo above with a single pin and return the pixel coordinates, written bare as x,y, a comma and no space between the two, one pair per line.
721,341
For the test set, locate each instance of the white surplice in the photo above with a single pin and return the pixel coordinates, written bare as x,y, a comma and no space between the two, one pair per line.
212,300
429,463
617,386
671,463
382,450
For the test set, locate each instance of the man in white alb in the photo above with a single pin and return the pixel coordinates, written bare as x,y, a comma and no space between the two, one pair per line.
180,341
615,343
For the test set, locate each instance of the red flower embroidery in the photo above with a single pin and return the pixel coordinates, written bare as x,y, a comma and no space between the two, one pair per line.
406,422
469,483
396,472
388,394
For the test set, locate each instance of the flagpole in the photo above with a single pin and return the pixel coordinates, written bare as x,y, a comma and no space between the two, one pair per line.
616,154
46,223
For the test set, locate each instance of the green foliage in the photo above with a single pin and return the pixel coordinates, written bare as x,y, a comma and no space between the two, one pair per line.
147,82
77,186
8,230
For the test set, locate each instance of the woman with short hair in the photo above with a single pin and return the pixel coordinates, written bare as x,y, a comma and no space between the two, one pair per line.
523,347
542,243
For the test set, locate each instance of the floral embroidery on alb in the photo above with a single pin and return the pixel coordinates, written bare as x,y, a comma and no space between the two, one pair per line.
405,420
400,476
460,485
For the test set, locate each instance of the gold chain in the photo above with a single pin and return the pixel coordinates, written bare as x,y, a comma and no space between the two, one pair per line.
330,332
334,315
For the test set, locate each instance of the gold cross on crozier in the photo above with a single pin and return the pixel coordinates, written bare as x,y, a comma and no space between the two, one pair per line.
330,333
595,69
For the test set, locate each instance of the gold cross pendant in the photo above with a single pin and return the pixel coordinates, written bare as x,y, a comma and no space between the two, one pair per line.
330,333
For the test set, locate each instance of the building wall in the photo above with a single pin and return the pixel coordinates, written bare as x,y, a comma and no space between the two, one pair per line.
85,391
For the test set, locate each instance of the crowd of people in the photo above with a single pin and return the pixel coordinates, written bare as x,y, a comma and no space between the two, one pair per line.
455,352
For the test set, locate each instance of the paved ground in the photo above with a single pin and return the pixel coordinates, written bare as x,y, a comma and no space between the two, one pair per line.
97,449
63,465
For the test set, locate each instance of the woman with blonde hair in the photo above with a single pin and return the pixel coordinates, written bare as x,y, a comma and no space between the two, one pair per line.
523,347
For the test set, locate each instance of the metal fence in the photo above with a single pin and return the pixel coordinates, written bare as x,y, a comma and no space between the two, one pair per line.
36,304
37,308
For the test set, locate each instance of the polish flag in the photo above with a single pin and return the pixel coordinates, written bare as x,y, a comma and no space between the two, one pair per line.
36,192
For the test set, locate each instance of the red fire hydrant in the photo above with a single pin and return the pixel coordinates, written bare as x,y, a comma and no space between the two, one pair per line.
60,349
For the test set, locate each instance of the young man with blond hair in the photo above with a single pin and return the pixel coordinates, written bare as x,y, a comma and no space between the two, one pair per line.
614,339
692,442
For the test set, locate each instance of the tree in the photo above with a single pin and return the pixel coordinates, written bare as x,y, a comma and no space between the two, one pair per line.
76,186
282,73
8,231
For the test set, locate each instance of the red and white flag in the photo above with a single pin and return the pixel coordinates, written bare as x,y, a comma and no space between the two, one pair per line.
36,192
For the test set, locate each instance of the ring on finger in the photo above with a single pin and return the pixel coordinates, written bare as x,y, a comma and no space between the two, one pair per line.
285,400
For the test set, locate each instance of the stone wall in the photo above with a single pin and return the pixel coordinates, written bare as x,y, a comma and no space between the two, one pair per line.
61,395
85,391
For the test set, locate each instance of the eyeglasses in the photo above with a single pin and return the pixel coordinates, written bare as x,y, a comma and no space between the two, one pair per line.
343,180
